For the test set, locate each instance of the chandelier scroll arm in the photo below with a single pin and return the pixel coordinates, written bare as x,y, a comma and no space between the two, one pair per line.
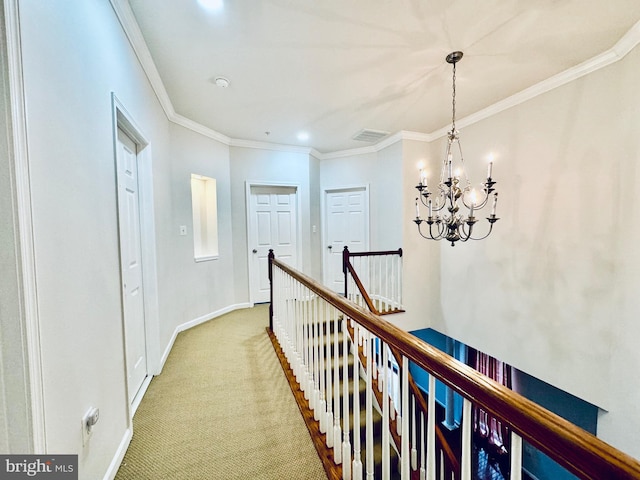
492,220
479,205
441,229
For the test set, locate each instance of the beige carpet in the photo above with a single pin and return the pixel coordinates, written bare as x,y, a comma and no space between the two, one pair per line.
221,409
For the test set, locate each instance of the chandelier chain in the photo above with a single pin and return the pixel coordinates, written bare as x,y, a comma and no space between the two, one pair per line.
453,101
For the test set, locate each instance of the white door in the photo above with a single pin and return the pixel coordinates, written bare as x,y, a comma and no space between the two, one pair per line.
131,263
347,224
272,225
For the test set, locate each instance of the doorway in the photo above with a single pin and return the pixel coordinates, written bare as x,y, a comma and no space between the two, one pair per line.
347,224
131,262
273,224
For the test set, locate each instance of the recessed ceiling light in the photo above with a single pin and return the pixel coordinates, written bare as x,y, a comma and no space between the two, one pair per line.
303,136
222,82
212,4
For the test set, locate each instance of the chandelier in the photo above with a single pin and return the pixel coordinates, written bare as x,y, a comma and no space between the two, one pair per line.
444,220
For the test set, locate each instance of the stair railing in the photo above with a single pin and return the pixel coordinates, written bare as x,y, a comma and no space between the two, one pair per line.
310,323
384,272
374,279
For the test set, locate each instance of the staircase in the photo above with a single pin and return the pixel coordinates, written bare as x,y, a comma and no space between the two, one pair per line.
359,384
327,363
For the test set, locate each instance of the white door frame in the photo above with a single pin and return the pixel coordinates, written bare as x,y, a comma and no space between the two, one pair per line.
254,183
23,220
323,219
124,121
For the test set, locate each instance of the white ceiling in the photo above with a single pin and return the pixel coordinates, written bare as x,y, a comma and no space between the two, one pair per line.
334,67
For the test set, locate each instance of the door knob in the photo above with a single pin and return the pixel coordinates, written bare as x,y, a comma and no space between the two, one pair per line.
329,247
255,251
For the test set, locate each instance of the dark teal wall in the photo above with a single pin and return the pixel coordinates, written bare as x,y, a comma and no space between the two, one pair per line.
569,407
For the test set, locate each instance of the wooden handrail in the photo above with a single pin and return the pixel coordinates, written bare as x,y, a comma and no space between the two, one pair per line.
372,254
361,289
580,452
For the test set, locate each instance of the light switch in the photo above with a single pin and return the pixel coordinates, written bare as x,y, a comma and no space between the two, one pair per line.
183,229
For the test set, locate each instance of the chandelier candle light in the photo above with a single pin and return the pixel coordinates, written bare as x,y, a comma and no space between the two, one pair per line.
454,188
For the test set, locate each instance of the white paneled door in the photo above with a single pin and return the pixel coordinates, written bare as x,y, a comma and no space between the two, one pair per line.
131,263
347,224
273,224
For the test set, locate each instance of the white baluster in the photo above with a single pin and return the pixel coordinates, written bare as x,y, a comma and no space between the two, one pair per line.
369,405
374,357
385,283
404,455
381,368
299,325
322,372
399,280
414,450
295,327
308,359
314,355
386,464
303,340
516,457
337,432
329,385
378,287
357,458
346,444
467,421
431,430
423,470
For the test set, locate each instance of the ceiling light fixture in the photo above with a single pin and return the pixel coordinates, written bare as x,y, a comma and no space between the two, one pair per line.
454,226
222,82
212,5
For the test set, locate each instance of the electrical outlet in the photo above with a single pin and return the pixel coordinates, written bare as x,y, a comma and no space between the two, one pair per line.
89,419
183,229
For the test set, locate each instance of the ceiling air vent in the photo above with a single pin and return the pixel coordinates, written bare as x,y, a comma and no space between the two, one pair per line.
370,136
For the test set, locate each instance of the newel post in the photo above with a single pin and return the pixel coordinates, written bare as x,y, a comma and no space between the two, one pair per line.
271,257
345,269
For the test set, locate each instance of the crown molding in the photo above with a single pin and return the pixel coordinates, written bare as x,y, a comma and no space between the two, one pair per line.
381,145
125,15
347,153
418,136
131,29
199,128
234,142
627,43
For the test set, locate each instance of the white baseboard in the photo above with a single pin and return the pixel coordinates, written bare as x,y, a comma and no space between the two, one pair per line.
117,459
138,398
193,323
